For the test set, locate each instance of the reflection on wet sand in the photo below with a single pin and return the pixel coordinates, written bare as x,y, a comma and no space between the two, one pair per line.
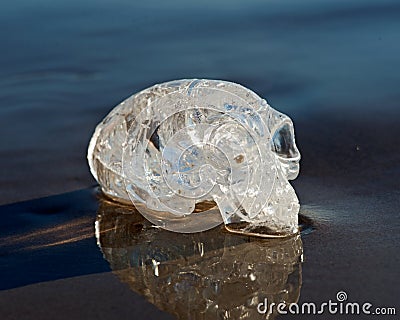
68,232
208,275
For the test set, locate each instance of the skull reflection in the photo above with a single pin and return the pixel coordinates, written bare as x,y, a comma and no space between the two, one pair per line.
208,275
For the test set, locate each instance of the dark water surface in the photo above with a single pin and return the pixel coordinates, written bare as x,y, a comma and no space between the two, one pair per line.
332,66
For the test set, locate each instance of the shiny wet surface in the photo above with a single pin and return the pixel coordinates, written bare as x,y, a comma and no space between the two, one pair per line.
209,274
332,66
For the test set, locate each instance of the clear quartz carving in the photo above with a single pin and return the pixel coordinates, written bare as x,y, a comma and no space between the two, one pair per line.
191,154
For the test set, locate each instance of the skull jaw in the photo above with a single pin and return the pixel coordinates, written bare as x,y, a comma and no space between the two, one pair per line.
261,229
278,218
267,228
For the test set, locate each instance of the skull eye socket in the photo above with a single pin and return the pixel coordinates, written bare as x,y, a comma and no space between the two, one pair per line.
283,142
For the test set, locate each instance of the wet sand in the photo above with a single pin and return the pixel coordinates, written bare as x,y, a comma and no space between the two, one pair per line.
332,67
98,296
54,238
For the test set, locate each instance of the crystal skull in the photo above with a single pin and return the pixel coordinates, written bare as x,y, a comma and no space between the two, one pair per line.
191,154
